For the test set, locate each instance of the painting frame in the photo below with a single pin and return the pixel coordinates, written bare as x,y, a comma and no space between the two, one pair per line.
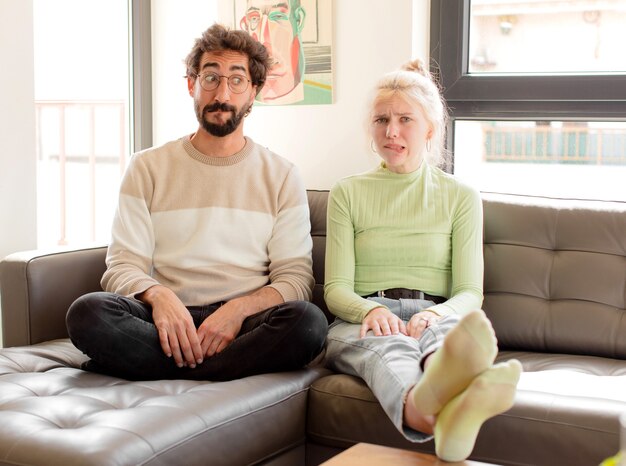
313,84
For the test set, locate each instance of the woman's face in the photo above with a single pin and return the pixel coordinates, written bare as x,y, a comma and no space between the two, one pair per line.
399,130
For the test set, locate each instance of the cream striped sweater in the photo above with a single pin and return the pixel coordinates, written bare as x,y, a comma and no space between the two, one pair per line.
421,230
210,229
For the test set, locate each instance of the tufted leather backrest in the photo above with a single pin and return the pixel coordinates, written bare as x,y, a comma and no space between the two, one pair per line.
555,277
555,274
318,203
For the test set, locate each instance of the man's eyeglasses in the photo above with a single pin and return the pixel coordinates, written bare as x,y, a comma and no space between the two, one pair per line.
237,83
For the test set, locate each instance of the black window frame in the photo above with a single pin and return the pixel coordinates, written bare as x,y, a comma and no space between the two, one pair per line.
568,97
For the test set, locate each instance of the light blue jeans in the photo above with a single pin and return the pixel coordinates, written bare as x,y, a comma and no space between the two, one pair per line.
389,365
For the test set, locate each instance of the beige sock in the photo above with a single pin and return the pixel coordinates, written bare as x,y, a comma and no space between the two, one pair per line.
458,423
469,349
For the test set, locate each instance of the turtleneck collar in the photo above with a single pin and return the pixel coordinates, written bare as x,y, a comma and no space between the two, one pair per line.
382,169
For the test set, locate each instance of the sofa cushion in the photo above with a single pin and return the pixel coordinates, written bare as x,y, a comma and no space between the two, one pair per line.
51,412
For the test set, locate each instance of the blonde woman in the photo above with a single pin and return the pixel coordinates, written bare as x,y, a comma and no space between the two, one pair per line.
404,272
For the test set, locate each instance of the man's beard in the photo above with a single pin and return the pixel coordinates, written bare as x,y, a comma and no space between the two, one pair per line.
224,129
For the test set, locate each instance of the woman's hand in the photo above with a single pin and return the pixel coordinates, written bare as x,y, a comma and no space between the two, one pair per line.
382,322
420,322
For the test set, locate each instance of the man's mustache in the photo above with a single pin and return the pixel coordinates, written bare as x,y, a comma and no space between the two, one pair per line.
219,106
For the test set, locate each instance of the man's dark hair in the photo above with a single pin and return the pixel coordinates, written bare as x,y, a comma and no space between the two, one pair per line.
219,38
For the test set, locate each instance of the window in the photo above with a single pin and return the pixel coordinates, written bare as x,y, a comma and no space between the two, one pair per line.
83,116
515,36
532,110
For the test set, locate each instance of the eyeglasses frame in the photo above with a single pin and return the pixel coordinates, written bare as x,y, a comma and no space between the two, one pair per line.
220,76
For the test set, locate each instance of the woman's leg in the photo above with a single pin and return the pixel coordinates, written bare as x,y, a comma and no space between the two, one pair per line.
455,393
468,349
389,365
460,388
489,394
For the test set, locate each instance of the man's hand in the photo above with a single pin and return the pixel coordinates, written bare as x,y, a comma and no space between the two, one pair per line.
420,322
177,333
220,328
382,321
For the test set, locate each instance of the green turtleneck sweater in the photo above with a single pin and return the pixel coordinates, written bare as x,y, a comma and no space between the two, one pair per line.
421,230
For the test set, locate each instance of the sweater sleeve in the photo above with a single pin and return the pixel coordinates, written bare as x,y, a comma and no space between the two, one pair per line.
290,246
339,293
467,256
129,256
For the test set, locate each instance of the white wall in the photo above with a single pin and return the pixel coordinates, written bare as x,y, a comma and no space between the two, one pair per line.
370,37
17,128
327,142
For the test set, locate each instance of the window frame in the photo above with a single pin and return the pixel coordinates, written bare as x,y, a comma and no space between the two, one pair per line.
140,14
566,97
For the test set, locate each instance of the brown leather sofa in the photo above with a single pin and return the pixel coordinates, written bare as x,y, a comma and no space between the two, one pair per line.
555,290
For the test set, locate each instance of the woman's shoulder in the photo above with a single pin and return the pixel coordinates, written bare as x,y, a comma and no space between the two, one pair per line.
358,179
453,182
354,187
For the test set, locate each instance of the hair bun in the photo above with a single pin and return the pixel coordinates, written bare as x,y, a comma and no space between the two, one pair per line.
417,66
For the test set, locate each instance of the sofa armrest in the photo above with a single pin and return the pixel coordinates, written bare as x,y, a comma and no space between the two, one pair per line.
37,288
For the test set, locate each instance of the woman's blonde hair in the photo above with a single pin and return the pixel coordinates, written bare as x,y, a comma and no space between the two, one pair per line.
414,82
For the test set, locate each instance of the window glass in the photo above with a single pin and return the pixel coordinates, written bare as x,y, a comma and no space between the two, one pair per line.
581,160
81,101
534,36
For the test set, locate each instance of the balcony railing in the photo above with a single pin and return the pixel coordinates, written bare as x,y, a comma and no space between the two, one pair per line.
79,133
547,144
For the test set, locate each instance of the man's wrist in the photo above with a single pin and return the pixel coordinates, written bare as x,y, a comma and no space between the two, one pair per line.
153,294
252,304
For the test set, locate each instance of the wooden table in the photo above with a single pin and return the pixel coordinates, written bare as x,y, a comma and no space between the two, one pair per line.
366,454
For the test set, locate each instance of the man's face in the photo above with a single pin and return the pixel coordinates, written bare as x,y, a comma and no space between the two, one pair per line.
277,25
220,111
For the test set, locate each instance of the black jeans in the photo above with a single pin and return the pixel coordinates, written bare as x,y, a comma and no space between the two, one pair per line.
120,337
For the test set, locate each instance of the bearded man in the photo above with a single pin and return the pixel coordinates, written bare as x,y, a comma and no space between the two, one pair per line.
209,270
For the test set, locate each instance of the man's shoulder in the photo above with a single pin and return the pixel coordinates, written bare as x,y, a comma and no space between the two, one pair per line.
268,156
161,150
273,167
